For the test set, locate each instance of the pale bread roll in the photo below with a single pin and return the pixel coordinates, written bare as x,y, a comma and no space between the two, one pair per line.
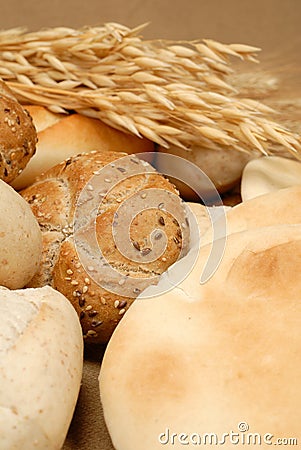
20,239
274,208
61,136
204,358
208,217
269,174
41,357
201,214
223,166
42,117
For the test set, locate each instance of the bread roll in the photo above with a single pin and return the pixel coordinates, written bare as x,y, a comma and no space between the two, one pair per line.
140,201
223,166
61,136
42,117
20,239
205,358
274,208
201,214
40,368
18,136
268,174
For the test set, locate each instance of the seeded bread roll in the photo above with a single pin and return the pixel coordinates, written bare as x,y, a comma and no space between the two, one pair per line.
20,239
61,136
18,135
41,359
111,203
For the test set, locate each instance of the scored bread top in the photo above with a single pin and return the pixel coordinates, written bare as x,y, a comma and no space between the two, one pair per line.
41,360
55,199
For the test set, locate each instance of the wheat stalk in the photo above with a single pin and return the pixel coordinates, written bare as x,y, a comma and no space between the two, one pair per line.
170,92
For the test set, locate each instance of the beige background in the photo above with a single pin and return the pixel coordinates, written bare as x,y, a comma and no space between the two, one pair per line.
264,23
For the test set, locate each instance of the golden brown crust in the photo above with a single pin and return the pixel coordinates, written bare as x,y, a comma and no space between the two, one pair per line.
99,310
18,136
54,199
42,117
62,136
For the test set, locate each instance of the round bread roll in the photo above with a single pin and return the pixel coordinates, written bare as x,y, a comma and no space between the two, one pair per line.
268,174
207,358
20,239
18,135
223,166
42,117
41,362
201,214
274,208
61,136
101,251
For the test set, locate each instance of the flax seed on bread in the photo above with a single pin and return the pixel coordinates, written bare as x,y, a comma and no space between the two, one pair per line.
18,135
54,199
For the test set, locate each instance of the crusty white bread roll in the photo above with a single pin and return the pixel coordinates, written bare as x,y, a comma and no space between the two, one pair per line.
268,174
41,357
206,358
20,239
61,136
17,135
102,286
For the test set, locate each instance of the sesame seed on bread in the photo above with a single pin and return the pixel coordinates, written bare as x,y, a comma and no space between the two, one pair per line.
18,136
102,291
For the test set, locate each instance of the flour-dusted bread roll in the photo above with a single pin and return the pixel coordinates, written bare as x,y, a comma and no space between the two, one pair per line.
269,174
212,358
17,135
20,239
61,136
41,357
111,226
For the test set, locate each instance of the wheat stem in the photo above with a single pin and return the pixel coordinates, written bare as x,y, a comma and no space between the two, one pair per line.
164,90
